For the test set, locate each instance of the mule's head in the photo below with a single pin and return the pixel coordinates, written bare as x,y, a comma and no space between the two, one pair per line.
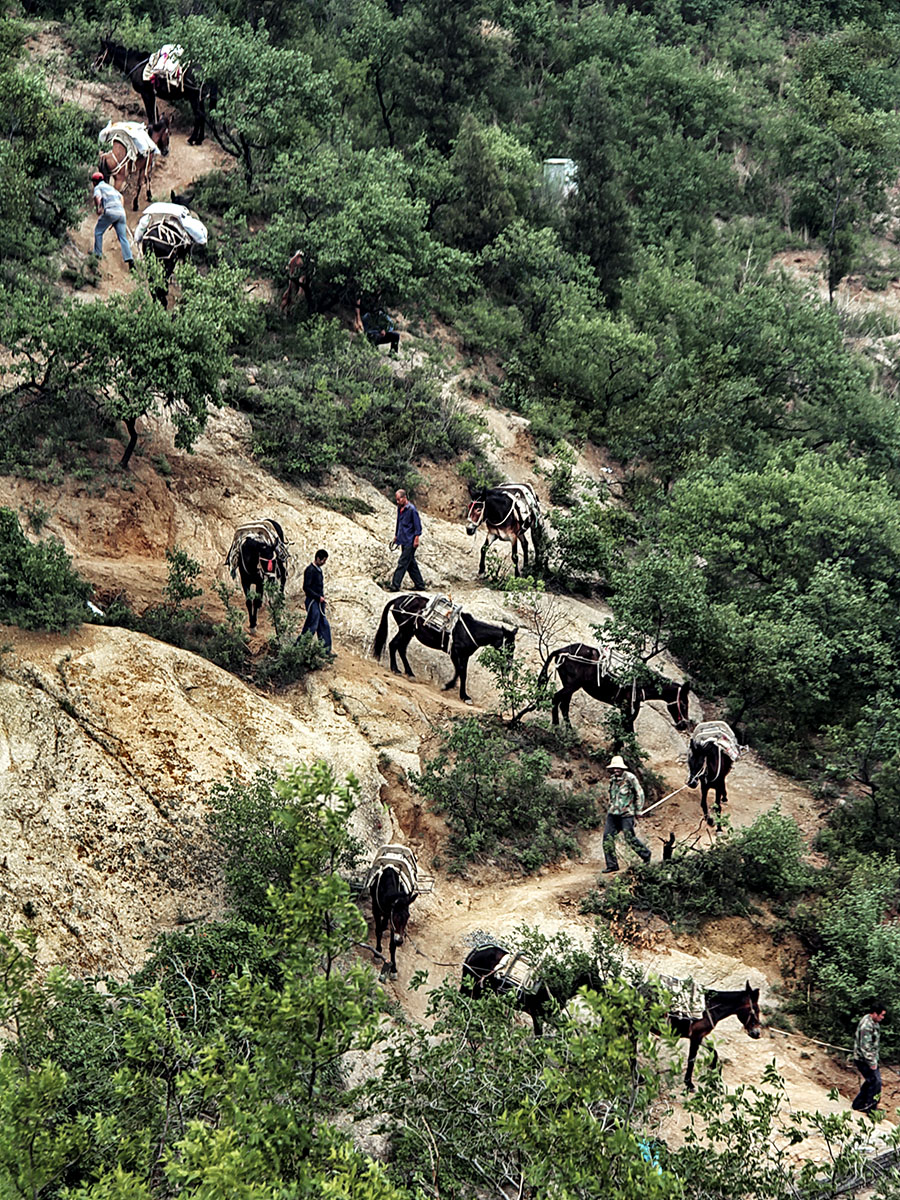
678,705
400,915
696,764
160,134
748,1014
104,56
475,515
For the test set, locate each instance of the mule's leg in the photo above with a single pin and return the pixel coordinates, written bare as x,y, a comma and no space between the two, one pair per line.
696,1039
148,95
704,792
565,699
524,540
393,956
398,644
514,550
462,668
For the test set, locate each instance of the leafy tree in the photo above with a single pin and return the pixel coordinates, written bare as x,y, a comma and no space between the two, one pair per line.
43,146
598,220
38,588
493,180
269,97
842,157
127,355
362,233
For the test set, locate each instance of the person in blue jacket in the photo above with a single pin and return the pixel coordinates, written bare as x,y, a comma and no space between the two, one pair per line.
406,536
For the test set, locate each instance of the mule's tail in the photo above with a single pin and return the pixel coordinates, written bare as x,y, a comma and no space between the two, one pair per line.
381,635
545,669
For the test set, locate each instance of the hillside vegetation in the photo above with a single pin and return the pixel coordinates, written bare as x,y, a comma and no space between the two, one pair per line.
749,531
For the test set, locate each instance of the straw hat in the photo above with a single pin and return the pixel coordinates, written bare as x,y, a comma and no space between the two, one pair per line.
616,761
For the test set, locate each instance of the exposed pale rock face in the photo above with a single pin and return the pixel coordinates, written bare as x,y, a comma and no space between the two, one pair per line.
109,745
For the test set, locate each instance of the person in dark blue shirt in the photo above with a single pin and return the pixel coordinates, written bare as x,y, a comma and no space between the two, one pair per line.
314,598
378,326
406,536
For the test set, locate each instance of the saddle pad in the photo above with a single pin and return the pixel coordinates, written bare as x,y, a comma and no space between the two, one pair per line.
517,971
441,614
688,997
263,531
117,133
717,733
524,501
404,862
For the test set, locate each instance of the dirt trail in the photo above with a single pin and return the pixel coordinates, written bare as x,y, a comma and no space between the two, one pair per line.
118,536
110,98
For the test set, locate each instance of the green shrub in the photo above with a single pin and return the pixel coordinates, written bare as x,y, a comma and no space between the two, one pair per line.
853,937
259,826
285,663
765,861
497,800
350,407
38,588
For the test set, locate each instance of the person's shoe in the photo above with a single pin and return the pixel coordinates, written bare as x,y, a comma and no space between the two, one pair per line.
130,264
609,871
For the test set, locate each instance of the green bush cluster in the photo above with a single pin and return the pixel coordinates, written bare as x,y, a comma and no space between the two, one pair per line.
498,801
350,407
38,588
764,861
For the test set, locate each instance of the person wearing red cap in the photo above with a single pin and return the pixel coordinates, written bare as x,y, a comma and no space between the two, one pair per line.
110,212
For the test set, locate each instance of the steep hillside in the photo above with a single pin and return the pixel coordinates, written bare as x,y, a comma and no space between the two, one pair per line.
111,741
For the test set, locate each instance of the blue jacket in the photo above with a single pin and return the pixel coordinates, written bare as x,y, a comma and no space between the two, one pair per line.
409,527
313,582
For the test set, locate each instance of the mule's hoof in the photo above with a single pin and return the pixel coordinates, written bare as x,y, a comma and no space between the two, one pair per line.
688,1087
467,700
393,972
395,671
409,675
710,821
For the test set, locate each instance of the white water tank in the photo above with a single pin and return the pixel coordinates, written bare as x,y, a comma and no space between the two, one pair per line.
560,178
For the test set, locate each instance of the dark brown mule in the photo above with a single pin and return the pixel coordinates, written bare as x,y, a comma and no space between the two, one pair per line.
718,1005
390,908
708,765
201,94
480,971
117,168
579,666
501,514
469,634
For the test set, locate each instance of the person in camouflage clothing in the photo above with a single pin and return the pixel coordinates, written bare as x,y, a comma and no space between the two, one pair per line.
626,799
865,1058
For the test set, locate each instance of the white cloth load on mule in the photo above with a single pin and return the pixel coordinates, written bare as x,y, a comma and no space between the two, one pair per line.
166,62
688,997
133,135
161,212
517,971
441,614
720,734
404,862
524,501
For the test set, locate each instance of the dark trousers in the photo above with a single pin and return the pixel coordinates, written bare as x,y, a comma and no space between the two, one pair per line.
391,338
870,1093
407,563
317,622
616,824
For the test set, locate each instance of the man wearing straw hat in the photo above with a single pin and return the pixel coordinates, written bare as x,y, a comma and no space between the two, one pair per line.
626,799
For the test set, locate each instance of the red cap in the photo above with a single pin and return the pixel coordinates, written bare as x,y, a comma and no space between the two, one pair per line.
96,176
